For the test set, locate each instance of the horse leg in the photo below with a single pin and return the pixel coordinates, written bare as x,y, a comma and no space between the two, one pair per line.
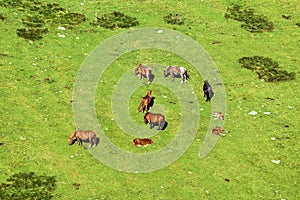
184,78
173,77
148,78
161,124
151,125
95,140
79,141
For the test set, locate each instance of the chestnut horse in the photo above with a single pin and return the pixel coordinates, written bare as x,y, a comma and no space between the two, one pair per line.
155,119
142,142
218,131
83,135
146,102
142,71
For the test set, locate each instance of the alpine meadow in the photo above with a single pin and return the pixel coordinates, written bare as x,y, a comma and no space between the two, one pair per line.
73,65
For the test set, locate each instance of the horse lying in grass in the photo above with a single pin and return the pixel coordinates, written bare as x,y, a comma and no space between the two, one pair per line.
80,135
219,131
143,71
146,102
218,115
155,119
177,72
142,142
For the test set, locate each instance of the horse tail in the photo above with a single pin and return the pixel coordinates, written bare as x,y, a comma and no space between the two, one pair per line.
186,75
162,123
140,108
95,140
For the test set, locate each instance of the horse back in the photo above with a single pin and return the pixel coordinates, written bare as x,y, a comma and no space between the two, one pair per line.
156,118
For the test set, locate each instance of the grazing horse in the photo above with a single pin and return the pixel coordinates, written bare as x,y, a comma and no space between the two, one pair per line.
141,71
155,119
218,115
142,142
83,135
177,72
146,102
218,131
208,92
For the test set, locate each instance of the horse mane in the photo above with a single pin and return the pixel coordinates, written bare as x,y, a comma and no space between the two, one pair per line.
73,134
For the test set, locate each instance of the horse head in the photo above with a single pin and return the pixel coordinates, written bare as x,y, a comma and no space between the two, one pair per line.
149,93
70,141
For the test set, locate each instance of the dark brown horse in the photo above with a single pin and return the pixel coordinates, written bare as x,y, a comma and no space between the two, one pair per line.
142,142
141,71
146,102
82,136
155,119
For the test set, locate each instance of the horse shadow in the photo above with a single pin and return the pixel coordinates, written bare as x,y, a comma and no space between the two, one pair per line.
165,126
151,102
162,128
151,77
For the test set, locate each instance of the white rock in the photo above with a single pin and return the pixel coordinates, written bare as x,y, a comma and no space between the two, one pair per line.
267,113
160,31
273,138
276,161
61,35
252,113
61,28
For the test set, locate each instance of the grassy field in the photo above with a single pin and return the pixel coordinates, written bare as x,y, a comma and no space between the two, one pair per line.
38,75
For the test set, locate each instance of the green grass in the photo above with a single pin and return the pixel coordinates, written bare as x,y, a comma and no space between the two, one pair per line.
37,118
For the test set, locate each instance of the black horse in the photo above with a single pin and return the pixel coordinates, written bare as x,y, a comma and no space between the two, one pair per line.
208,92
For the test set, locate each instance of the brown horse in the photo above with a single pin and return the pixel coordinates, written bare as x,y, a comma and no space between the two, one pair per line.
218,131
155,119
142,142
141,71
83,135
146,102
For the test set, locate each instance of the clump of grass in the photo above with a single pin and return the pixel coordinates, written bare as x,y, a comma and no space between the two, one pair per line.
37,15
2,17
72,19
174,19
31,33
115,20
266,68
253,22
28,186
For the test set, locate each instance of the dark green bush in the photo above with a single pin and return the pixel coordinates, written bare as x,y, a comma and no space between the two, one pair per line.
266,68
174,19
31,33
115,20
38,14
27,186
252,22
